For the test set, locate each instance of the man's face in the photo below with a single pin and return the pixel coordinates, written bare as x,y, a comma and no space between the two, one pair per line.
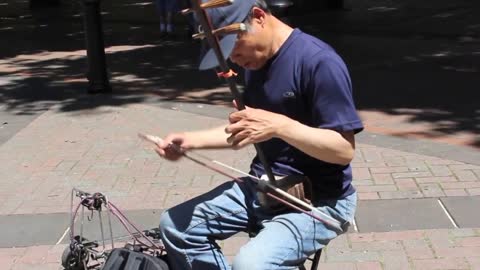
251,49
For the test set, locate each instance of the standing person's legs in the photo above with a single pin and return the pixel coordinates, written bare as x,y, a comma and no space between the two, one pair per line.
171,7
189,230
161,11
287,240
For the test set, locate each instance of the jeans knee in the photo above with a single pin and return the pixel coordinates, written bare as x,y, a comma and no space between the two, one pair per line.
250,260
166,225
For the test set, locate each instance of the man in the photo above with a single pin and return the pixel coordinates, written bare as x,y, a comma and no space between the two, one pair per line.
300,111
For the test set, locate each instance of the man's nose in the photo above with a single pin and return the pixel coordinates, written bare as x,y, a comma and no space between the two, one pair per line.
235,55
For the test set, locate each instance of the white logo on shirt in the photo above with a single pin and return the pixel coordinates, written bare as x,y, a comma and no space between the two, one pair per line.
289,94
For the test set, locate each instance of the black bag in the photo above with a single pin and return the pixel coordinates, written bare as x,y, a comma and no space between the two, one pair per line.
126,259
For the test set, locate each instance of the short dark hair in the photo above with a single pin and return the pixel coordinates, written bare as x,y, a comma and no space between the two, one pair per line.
260,4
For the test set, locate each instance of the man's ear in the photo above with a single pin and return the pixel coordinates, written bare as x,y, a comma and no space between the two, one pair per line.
259,15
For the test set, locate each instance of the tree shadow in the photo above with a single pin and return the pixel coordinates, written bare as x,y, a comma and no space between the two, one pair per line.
419,60
405,58
49,65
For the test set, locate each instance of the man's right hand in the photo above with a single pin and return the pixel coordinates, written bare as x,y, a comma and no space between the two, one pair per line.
173,146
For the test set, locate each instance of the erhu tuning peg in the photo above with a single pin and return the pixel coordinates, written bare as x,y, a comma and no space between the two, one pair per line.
233,28
222,31
209,4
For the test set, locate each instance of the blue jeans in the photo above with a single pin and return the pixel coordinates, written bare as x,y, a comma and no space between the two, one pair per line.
190,229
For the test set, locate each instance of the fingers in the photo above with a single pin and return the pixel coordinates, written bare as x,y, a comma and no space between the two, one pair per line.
234,128
169,153
171,138
171,147
239,115
240,139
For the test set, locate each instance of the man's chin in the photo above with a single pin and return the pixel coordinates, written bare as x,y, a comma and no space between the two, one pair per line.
252,67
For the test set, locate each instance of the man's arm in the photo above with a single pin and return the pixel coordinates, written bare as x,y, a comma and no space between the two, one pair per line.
209,139
256,125
323,144
203,139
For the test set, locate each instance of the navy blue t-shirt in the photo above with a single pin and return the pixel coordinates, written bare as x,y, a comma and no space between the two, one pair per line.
307,81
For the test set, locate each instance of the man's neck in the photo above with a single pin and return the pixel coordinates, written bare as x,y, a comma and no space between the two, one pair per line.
280,34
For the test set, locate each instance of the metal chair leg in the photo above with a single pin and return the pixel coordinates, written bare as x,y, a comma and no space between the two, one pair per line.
316,260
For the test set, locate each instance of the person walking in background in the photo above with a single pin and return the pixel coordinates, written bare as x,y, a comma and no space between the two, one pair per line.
165,10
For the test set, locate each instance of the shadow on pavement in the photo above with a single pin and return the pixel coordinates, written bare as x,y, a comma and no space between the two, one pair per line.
420,60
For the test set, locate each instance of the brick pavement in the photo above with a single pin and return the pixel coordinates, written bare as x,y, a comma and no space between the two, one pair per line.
421,250
97,150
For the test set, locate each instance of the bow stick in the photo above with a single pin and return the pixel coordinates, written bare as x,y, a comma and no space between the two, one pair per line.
264,186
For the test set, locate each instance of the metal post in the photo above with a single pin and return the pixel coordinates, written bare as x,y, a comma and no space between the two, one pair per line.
97,68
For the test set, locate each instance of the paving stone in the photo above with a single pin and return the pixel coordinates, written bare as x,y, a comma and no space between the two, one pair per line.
382,178
465,175
458,185
337,266
376,246
457,252
386,216
395,260
389,169
348,256
455,192
361,174
474,191
464,232
28,230
461,209
418,249
450,263
437,179
431,190
376,188
363,182
405,184
368,196
411,174
403,194
34,255
369,266
474,262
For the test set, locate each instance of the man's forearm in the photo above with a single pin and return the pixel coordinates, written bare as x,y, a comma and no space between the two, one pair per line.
323,144
209,139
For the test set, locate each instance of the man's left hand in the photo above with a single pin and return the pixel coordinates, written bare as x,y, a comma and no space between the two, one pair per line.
254,125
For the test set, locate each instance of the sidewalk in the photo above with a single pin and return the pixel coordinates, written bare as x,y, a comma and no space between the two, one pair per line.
98,150
425,250
413,79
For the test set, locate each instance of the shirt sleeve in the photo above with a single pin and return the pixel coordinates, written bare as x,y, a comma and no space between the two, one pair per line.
329,94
